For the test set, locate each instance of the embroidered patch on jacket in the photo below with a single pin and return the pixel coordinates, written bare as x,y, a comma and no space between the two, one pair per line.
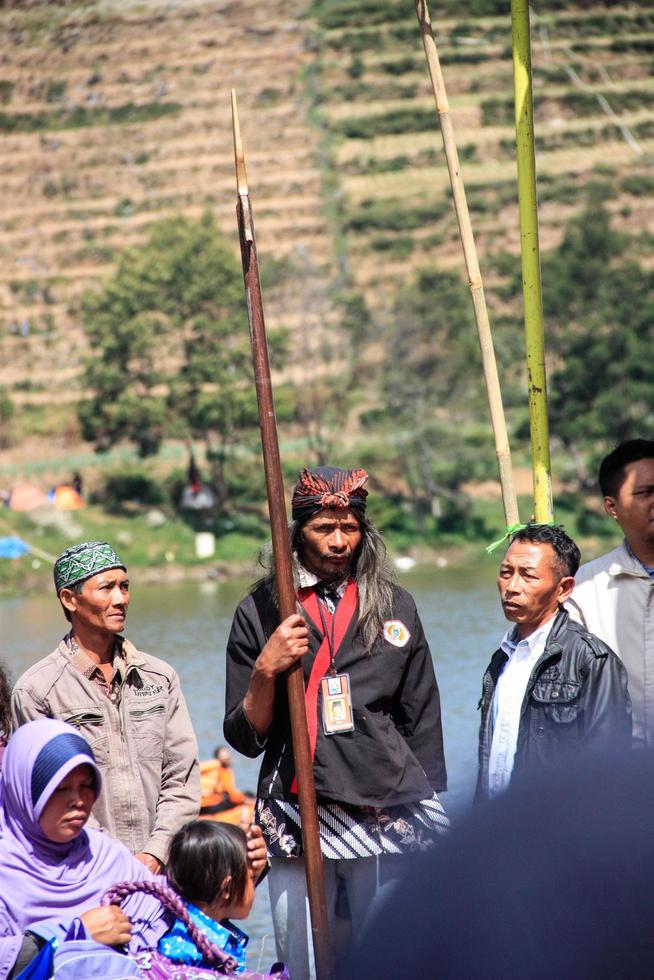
396,633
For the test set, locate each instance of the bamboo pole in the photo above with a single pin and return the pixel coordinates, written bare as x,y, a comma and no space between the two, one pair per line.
282,562
529,247
498,423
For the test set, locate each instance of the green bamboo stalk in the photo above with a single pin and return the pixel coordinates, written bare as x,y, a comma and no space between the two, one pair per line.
530,252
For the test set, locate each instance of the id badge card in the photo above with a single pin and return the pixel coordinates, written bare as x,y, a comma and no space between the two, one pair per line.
336,704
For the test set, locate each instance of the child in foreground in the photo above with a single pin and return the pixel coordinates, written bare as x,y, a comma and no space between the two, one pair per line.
208,867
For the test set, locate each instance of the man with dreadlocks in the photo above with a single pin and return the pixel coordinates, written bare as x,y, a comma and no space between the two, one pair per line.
373,710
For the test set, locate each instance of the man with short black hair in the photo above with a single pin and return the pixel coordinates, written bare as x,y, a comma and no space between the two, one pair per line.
614,594
552,688
127,704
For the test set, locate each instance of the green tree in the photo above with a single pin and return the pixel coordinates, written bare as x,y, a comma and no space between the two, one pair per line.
433,397
599,308
170,354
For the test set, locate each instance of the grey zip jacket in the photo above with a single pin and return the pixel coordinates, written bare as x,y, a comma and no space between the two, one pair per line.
144,746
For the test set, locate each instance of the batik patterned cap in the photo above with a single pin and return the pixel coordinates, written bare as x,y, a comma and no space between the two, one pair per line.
83,561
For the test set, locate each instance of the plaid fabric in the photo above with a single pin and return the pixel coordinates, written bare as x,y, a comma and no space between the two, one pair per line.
83,561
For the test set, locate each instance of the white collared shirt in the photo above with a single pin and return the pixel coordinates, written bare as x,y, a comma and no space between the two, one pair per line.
614,599
507,701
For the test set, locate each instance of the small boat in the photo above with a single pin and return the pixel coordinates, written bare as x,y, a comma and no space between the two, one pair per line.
220,799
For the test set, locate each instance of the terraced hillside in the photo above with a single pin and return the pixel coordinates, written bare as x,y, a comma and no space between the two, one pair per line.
115,114
119,114
594,93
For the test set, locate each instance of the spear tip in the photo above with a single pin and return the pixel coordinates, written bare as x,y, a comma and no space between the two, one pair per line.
239,156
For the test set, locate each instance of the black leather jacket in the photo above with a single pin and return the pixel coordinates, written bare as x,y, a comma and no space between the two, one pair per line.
576,698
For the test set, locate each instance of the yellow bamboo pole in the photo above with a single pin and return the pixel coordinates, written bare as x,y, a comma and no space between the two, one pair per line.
489,363
531,282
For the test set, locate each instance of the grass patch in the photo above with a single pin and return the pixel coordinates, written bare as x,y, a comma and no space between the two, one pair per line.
388,215
361,92
566,192
490,200
6,91
499,111
391,123
397,246
95,253
644,45
337,14
138,543
592,136
238,547
640,185
340,14
65,187
55,91
269,97
383,165
400,66
45,421
81,116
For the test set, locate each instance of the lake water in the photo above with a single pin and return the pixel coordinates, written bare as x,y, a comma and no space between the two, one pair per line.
188,625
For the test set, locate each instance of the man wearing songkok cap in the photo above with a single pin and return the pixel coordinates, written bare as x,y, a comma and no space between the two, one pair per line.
127,704
373,710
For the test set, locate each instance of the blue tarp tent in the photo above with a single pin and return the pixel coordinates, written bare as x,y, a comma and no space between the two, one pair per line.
13,548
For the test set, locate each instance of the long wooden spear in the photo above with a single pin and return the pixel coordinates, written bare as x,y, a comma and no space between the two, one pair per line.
529,247
489,363
282,562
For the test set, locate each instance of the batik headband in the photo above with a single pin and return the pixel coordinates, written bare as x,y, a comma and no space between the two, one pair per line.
328,487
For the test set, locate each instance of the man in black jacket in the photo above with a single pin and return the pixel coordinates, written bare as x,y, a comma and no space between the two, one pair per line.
552,688
373,710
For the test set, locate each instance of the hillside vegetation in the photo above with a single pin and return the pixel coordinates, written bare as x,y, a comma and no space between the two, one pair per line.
115,115
594,108
398,236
